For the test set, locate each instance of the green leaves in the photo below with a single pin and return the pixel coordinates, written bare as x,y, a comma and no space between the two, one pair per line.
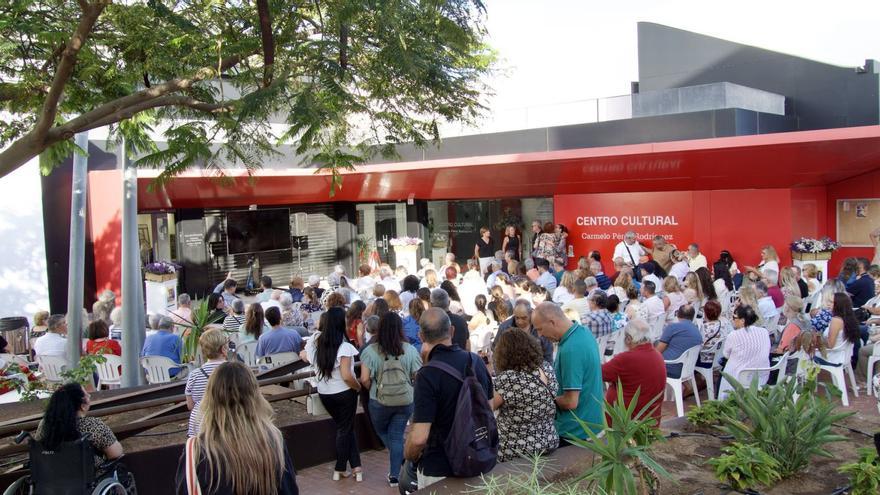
745,466
710,413
791,430
83,372
407,67
864,474
202,316
621,455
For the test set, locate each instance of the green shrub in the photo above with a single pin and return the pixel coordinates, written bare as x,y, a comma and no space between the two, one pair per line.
202,316
711,412
864,475
528,481
745,466
623,452
84,372
790,430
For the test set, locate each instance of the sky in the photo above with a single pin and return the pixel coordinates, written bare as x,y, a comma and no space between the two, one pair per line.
562,51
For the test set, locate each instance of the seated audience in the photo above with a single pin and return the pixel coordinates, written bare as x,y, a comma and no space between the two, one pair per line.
843,329
164,343
455,306
53,343
238,448
796,323
766,304
181,316
565,291
748,346
640,369
254,325
65,420
500,305
214,345
354,328
278,338
99,341
266,286
482,316
226,289
522,319
545,278
292,315
297,284
103,306
441,299
235,319
714,330
677,338
618,317
580,302
417,307
598,319
525,388
672,297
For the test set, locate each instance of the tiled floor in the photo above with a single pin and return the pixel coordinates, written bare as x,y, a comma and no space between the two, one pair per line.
316,480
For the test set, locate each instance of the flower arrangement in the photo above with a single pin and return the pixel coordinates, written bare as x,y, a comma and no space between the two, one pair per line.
405,241
807,245
162,268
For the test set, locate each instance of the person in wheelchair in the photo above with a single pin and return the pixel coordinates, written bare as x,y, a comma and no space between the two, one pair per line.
71,453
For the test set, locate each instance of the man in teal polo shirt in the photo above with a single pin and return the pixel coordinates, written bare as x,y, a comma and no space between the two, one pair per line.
578,371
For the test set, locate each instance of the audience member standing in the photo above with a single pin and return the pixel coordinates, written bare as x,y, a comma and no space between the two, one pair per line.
577,369
214,346
238,449
512,242
545,248
436,396
525,391
388,368
484,250
332,358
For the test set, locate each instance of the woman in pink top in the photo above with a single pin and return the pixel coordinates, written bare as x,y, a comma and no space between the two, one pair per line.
672,298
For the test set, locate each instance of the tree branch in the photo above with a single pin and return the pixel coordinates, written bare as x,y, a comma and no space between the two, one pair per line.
65,68
83,4
267,40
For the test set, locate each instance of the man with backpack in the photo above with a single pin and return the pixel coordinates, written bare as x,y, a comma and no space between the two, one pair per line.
453,431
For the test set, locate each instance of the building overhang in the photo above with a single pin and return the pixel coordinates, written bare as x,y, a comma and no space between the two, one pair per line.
782,160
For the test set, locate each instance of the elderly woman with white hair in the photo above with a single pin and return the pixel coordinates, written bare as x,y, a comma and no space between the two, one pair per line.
104,306
291,314
641,368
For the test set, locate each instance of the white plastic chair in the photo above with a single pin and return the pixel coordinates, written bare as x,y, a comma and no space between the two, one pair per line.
810,301
619,344
873,360
273,361
844,352
688,361
158,368
773,327
110,371
746,375
657,328
247,353
602,343
52,367
708,374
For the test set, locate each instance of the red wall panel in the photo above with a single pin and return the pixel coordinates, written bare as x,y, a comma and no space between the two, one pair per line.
739,221
105,229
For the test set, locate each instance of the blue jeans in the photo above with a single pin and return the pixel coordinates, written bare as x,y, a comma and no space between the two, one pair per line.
389,423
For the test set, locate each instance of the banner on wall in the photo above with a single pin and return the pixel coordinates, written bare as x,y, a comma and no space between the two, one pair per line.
599,221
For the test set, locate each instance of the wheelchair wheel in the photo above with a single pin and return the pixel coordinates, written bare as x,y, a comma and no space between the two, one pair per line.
21,486
109,486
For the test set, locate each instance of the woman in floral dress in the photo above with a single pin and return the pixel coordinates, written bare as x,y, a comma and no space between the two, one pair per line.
525,388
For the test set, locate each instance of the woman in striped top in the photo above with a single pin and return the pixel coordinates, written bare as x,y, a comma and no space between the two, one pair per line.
748,346
213,344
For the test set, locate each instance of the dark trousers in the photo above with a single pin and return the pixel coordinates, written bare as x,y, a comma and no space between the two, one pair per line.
342,408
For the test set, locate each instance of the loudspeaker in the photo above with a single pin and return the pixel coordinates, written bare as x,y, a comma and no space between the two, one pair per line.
300,225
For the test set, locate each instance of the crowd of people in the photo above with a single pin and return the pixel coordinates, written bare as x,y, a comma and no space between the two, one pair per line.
561,343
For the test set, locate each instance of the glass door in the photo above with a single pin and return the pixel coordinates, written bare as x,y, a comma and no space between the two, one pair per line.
386,229
377,225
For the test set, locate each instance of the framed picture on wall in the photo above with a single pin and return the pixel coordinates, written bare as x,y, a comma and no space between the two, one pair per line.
856,219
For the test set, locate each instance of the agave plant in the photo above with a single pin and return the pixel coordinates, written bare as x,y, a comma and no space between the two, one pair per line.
202,316
622,454
790,422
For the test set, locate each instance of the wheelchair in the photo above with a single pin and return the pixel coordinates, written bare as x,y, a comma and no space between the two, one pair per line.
70,470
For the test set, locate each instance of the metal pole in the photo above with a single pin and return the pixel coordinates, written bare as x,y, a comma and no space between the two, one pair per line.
132,297
76,261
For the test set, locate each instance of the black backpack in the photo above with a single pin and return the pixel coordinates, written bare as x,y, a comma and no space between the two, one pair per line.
472,444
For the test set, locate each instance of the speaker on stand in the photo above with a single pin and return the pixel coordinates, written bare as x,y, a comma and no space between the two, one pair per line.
300,236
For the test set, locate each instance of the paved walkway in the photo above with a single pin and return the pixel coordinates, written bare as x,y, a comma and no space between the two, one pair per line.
316,480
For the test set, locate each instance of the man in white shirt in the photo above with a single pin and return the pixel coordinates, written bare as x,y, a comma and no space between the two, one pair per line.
652,308
648,276
545,278
766,306
695,258
54,342
388,279
629,249
580,303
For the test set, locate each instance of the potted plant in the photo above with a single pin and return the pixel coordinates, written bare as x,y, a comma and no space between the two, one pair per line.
807,249
160,271
202,317
405,243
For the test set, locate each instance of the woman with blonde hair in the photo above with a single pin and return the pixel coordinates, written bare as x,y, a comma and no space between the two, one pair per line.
238,449
624,288
672,297
769,263
748,297
821,313
430,281
393,300
583,270
214,345
565,291
789,282
693,293
811,272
